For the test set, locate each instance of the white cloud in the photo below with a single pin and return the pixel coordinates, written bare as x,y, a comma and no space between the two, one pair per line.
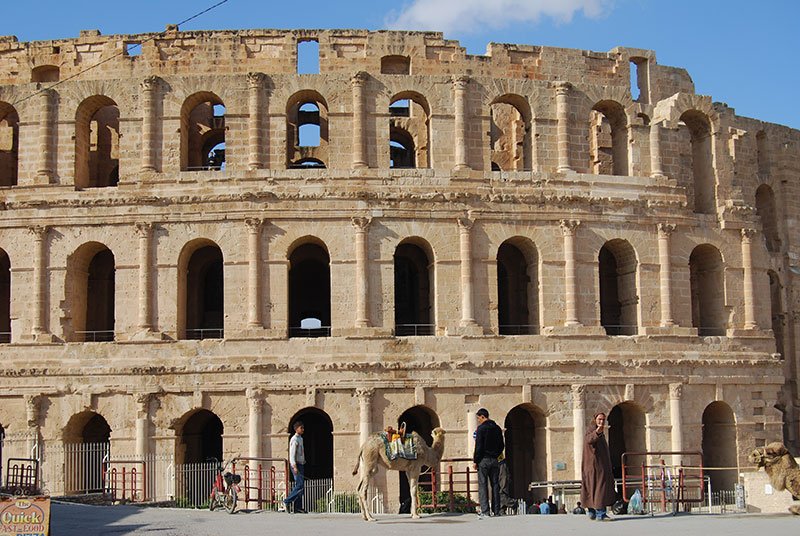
473,15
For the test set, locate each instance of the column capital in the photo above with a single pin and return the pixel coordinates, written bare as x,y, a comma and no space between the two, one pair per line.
364,393
143,404
150,83
568,227
562,87
465,224
143,229
254,224
32,405
666,229
255,398
361,223
748,235
39,232
460,82
578,396
359,79
256,80
675,391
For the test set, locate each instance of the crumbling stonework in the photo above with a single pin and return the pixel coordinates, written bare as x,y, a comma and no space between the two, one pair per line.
517,232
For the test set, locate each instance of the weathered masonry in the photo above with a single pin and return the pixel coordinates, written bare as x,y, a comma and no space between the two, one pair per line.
200,245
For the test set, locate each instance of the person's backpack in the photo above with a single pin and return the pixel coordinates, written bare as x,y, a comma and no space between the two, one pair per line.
636,506
620,507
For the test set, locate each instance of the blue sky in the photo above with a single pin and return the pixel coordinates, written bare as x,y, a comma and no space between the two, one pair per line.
740,52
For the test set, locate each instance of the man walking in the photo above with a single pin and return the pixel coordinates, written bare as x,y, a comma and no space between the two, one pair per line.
488,447
297,461
597,486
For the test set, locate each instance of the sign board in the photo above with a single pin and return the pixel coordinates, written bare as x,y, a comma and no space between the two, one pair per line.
24,515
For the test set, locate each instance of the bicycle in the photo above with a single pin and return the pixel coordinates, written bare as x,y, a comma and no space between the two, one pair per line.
225,490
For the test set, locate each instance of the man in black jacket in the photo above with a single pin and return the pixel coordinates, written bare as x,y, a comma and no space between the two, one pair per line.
488,447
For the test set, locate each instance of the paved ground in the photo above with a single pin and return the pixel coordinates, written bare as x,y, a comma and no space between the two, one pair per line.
81,520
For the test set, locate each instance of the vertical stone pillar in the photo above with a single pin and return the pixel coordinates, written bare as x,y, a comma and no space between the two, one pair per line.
255,406
254,225
472,425
362,271
47,125
578,426
569,228
665,230
749,287
675,395
32,405
144,230
39,233
255,113
358,83
142,424
149,120
364,395
562,119
465,242
460,88
655,150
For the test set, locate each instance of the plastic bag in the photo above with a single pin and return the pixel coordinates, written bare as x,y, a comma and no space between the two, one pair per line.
636,505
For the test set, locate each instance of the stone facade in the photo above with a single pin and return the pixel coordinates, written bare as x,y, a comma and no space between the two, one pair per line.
513,231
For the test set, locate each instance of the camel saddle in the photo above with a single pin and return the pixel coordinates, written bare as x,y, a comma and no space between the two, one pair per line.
398,444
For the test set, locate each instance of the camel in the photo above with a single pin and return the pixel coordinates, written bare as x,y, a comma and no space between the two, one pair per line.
373,454
780,466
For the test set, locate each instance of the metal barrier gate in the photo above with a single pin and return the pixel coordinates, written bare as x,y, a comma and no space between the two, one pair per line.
456,482
663,483
125,480
265,481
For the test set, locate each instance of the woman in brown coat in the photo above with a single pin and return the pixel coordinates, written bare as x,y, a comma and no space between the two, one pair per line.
597,489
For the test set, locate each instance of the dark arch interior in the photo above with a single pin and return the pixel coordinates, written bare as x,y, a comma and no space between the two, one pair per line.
422,421
412,288
205,295
776,310
100,297
706,280
610,306
626,433
9,145
5,297
202,437
309,290
401,149
719,445
513,285
525,452
317,442
96,430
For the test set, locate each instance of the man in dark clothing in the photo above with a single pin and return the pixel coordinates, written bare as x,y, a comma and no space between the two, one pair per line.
597,486
488,447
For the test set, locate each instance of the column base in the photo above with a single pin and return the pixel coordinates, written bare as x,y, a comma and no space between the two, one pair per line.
367,332
148,334
574,330
469,330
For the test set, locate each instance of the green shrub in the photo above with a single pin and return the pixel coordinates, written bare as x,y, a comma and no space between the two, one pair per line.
343,503
443,500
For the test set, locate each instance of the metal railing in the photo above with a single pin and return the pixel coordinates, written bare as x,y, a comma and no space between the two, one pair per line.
199,334
414,330
322,331
518,329
98,335
5,337
125,480
22,476
204,168
73,468
617,330
193,483
663,483
451,487
265,481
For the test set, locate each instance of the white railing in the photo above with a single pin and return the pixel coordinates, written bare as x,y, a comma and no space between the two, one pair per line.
74,468
193,483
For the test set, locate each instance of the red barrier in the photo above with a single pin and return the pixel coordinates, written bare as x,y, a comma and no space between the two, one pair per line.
127,483
456,483
262,480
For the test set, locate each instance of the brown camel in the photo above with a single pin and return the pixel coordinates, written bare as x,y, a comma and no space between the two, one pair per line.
780,466
373,454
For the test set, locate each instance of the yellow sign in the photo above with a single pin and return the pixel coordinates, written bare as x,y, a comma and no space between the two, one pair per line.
26,516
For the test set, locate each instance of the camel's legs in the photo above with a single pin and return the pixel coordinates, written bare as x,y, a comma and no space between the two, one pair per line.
363,487
412,488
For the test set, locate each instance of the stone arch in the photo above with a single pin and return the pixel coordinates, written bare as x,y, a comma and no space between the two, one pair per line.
619,296
609,138
767,213
510,133
202,132
517,287
5,297
719,445
704,181
626,433
9,144
422,420
409,129
97,143
87,441
526,449
776,310
309,288
317,440
201,292
414,288
707,290
199,435
316,115
90,280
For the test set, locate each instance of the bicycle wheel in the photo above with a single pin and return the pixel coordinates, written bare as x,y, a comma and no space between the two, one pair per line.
230,500
212,503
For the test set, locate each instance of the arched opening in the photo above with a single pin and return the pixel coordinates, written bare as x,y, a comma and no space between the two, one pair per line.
395,65
306,130
526,450
517,288
510,133
422,420
87,442
708,292
317,442
5,297
413,281
199,444
91,277
702,163
776,310
719,445
409,117
202,132
626,433
9,145
202,285
309,291
609,139
97,143
765,208
619,300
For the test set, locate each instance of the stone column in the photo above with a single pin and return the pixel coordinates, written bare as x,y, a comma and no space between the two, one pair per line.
358,82
32,406
255,112
255,406
364,395
472,425
144,230
254,319
665,272
39,233
362,271
562,119
568,228
142,424
465,242
675,395
460,88
655,150
149,121
44,170
749,287
578,426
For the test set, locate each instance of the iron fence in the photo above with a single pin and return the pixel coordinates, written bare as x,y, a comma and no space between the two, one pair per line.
414,330
310,333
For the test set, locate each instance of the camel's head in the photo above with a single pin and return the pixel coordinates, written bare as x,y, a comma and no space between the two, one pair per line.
437,433
763,456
